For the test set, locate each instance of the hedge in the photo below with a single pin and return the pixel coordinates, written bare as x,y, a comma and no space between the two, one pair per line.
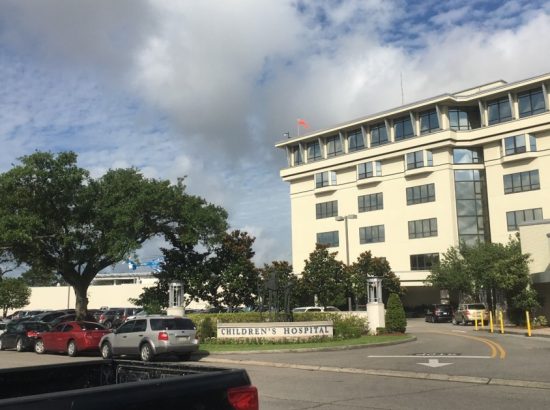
345,326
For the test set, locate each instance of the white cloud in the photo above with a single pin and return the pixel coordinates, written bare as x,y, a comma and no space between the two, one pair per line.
205,88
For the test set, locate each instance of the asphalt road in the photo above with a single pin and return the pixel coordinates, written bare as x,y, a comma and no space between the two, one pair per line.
447,367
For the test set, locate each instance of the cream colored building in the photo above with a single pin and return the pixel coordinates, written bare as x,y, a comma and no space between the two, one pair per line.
107,289
410,182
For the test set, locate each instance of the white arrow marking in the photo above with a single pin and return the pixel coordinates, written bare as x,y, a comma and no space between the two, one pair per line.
434,363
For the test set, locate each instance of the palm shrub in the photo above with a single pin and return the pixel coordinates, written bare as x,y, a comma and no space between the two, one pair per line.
396,321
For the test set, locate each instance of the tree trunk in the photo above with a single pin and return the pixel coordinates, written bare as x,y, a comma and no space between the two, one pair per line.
81,305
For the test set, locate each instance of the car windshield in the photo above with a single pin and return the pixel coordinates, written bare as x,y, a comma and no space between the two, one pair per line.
444,308
477,306
172,324
35,326
90,326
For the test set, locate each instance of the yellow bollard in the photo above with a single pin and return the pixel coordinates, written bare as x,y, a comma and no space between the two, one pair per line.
528,323
501,322
491,321
481,319
475,321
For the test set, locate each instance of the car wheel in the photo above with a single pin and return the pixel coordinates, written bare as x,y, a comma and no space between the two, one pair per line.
106,350
71,349
108,324
39,346
19,345
146,352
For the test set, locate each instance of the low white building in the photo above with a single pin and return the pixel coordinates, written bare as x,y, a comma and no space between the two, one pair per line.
107,289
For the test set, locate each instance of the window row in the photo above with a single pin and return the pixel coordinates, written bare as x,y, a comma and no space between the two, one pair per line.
515,218
460,118
422,228
521,181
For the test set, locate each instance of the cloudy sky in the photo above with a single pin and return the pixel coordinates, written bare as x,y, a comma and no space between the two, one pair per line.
205,88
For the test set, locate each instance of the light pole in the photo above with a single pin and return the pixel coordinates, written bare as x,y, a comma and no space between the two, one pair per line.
345,219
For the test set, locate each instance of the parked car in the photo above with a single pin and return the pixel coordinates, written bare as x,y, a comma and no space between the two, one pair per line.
71,337
439,313
70,317
151,336
51,315
468,312
21,335
3,326
114,317
315,309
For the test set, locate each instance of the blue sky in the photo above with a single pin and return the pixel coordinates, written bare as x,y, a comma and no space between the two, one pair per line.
205,88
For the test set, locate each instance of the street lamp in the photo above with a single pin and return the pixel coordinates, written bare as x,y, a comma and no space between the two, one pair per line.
345,219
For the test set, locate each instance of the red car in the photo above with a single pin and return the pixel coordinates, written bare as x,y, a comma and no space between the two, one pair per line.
71,337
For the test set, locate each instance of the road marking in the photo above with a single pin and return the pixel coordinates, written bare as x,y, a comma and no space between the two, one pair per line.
434,363
494,346
416,356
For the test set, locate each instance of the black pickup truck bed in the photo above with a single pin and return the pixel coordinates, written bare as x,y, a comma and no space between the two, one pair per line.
121,385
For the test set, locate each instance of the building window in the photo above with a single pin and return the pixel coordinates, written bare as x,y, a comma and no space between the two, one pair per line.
499,110
329,239
326,209
464,118
518,144
297,156
355,140
468,156
371,202
428,121
422,228
323,179
313,151
369,170
334,146
378,134
531,102
403,128
521,181
471,206
424,261
371,234
421,194
514,218
419,159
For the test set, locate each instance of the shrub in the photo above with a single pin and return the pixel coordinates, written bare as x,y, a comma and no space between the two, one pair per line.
540,321
395,315
206,329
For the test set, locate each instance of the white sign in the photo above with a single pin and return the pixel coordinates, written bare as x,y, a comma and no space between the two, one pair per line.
275,330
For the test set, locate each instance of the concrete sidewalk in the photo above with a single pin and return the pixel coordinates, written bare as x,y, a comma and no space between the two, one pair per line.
517,330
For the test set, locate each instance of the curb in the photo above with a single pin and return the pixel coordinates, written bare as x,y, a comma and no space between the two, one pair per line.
309,349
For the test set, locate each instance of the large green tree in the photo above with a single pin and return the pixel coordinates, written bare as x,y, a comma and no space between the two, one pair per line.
232,278
485,269
368,266
54,216
325,277
14,294
39,277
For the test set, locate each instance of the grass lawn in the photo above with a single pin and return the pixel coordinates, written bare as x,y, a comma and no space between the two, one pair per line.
364,340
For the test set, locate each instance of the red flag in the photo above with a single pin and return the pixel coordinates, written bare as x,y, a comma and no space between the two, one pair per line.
303,123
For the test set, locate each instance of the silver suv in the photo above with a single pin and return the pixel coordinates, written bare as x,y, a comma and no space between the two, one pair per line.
150,336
